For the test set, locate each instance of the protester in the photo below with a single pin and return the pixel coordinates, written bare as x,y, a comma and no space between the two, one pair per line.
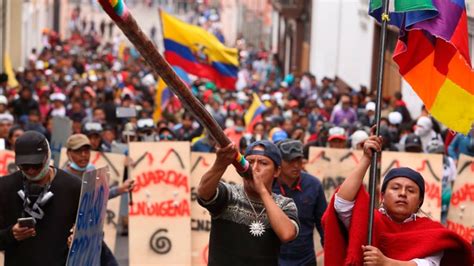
166,134
93,131
462,144
13,134
249,223
79,154
424,129
47,194
6,122
345,113
89,76
146,130
413,143
308,195
449,175
358,138
399,236
337,138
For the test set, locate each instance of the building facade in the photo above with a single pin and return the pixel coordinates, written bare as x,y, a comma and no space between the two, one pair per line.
291,33
22,23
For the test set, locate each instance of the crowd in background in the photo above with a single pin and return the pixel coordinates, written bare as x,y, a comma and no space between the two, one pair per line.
86,79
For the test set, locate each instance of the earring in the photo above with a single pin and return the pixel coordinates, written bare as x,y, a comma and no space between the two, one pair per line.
382,208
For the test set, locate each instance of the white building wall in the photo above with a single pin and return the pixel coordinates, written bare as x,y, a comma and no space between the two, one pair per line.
412,100
230,20
274,34
342,40
342,45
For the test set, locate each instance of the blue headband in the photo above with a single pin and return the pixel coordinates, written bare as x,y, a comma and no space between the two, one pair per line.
407,173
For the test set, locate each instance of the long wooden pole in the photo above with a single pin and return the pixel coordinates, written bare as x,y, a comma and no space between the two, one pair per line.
149,52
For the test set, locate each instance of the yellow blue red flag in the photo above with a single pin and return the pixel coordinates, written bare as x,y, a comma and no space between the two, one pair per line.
254,113
199,52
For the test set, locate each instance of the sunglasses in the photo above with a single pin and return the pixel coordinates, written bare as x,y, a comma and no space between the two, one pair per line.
168,137
291,146
27,167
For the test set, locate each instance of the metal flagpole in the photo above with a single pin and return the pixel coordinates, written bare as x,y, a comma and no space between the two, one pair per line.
373,166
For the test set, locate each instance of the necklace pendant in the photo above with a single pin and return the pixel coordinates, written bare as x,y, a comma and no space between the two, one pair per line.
257,228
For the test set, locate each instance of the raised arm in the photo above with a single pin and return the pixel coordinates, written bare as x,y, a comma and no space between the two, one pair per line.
351,185
210,180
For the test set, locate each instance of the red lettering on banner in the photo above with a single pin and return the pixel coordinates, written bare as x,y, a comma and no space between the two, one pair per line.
464,231
97,157
205,254
433,192
5,160
465,193
169,208
168,177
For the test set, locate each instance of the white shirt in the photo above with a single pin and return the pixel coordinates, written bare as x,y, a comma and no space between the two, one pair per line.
344,212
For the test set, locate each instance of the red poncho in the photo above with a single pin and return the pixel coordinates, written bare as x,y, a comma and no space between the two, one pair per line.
416,239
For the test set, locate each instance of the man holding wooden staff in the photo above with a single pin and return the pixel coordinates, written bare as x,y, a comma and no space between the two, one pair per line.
400,237
249,222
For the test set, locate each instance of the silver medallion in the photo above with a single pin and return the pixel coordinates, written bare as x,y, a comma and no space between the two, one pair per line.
257,228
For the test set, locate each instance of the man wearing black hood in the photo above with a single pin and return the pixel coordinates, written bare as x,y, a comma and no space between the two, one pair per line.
46,195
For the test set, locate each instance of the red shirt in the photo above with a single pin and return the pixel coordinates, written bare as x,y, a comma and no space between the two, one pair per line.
416,239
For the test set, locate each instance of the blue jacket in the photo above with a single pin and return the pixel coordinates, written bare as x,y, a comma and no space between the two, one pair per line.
459,145
308,194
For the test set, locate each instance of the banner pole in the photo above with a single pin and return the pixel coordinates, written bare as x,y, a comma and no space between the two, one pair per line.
378,104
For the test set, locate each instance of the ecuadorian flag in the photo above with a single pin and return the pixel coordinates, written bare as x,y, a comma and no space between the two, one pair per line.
254,113
199,52
164,94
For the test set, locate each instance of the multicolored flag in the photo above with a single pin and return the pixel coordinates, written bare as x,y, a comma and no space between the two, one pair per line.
254,113
433,56
406,12
199,52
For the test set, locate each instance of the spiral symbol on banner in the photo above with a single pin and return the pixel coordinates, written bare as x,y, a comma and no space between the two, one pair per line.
159,243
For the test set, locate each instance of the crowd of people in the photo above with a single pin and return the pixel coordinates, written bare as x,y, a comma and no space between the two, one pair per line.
86,79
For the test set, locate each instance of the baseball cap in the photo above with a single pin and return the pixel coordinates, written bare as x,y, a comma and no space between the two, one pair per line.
337,133
408,173
5,117
270,150
424,122
145,124
357,137
370,106
435,146
92,128
412,141
290,149
77,141
31,148
279,135
3,100
58,96
395,118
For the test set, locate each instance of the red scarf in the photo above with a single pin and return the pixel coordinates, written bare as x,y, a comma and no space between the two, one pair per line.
416,239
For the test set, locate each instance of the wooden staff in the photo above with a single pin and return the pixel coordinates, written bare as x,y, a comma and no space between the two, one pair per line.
118,12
